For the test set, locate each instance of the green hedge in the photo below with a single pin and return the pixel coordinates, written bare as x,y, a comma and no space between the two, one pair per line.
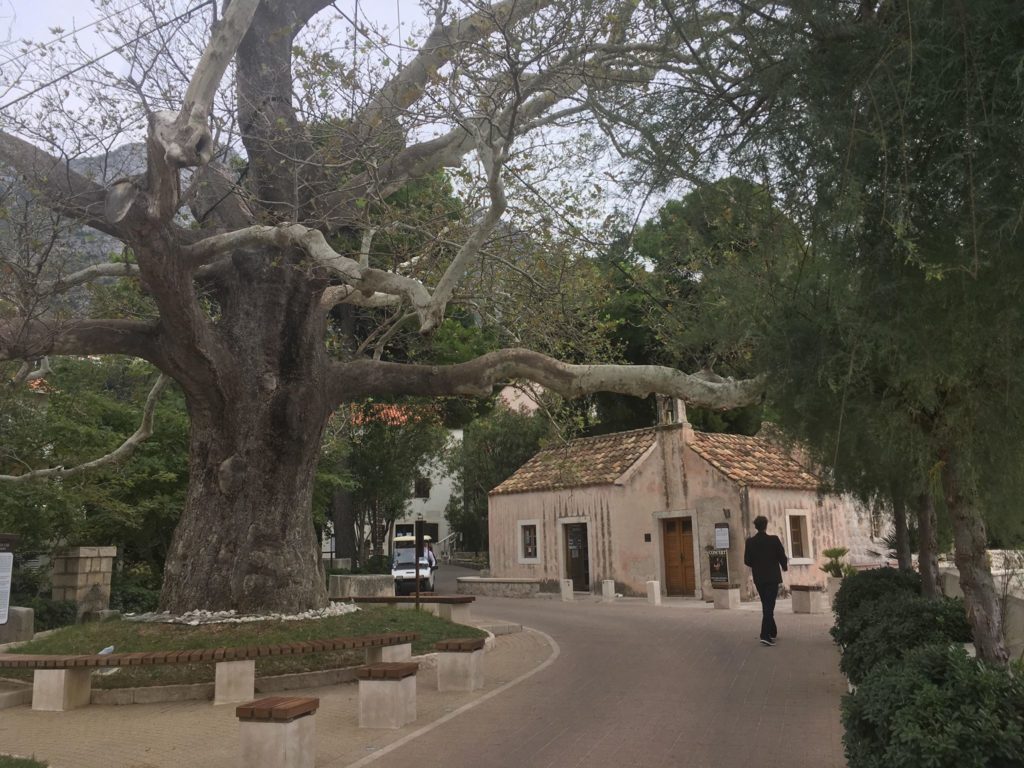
863,586
886,628
51,614
936,708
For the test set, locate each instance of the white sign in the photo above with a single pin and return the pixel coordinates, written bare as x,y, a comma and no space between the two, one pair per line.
6,568
721,536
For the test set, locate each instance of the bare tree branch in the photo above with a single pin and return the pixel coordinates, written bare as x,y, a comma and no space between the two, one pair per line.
122,452
362,378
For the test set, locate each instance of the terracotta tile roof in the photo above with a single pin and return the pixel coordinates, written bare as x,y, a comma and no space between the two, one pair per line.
597,460
753,461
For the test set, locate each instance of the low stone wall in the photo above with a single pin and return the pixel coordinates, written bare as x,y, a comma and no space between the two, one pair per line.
497,587
361,585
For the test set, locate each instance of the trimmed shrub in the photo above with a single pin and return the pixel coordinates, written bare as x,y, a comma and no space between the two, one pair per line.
860,587
937,708
51,614
887,628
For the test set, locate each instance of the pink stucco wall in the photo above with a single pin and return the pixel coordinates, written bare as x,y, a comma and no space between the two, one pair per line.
670,480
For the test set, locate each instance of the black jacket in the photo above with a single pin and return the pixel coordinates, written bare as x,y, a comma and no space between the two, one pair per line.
763,555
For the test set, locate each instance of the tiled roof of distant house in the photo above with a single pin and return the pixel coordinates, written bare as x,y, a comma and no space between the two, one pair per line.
753,461
587,461
389,414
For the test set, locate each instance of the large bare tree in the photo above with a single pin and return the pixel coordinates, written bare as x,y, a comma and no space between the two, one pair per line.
245,268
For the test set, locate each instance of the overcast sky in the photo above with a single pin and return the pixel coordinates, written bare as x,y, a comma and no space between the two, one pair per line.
33,19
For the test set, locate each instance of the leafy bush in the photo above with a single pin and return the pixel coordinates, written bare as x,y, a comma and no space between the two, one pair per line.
51,614
887,628
135,589
860,587
937,708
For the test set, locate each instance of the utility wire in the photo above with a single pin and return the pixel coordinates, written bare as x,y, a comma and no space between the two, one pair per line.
74,32
119,48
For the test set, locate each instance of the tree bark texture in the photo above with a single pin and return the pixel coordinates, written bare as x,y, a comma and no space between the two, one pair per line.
246,540
899,517
984,611
928,547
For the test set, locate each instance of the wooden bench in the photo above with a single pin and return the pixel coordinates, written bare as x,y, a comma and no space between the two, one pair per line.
387,694
278,732
454,608
63,682
460,664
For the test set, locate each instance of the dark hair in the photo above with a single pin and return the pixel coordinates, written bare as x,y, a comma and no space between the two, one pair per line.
761,522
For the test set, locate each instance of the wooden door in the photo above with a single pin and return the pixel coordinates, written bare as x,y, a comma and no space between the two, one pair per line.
577,561
677,537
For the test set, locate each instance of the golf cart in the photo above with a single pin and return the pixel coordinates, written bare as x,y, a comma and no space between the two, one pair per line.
403,567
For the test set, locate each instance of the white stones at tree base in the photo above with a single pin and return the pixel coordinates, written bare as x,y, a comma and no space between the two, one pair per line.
279,745
401,652
654,592
567,591
387,703
58,690
460,670
235,681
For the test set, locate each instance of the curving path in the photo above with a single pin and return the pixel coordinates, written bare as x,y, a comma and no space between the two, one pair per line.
634,685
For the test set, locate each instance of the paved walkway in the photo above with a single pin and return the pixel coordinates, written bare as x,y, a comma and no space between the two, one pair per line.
605,685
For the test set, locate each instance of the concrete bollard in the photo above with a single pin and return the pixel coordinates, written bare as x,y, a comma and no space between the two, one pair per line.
567,595
654,592
608,591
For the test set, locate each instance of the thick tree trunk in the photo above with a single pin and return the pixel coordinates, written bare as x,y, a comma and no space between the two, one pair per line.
928,546
984,611
246,540
899,517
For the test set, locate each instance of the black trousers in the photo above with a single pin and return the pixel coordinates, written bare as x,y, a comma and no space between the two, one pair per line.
768,591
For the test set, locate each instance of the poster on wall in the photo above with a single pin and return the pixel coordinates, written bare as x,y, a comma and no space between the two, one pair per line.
721,535
718,566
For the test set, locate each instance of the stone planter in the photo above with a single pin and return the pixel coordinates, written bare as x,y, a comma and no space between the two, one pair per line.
727,596
809,599
832,588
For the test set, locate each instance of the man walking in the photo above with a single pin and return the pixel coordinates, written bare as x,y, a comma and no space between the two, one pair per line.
765,555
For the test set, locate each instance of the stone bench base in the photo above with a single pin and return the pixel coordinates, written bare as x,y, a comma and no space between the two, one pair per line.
58,690
268,742
460,664
457,613
387,702
389,653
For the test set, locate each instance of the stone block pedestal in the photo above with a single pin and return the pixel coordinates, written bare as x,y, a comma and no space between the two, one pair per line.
235,681
566,589
278,732
387,695
389,653
809,600
654,592
58,690
20,625
457,613
727,596
460,664
607,591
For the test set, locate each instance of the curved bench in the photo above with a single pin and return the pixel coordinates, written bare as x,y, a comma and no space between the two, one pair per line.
454,608
63,682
